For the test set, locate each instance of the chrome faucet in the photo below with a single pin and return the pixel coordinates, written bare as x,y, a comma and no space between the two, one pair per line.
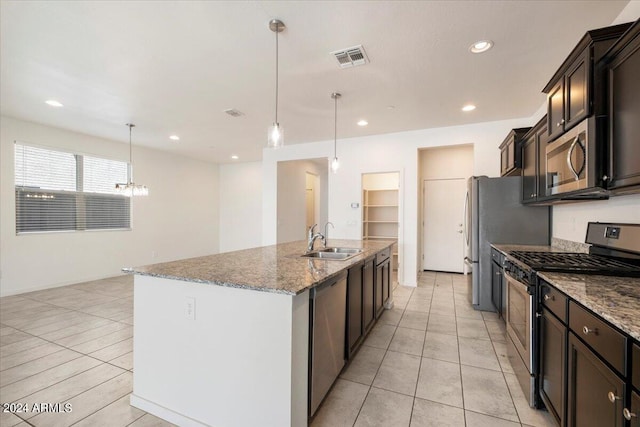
313,236
326,233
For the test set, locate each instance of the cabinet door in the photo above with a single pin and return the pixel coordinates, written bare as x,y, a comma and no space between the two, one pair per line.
386,281
576,90
511,155
504,160
354,307
634,410
379,278
624,125
529,175
541,140
591,383
553,338
555,110
496,286
368,285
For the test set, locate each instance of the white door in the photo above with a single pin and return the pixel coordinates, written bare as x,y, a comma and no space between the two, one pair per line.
443,216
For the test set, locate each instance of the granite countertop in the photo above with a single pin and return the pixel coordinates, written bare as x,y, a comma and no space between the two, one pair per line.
614,298
277,268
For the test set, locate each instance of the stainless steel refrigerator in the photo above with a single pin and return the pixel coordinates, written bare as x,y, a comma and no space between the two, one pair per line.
494,214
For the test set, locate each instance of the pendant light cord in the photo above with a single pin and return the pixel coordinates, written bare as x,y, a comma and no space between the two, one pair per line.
335,127
131,125
277,55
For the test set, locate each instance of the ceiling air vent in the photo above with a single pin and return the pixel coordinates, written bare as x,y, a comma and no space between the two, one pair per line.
351,57
233,112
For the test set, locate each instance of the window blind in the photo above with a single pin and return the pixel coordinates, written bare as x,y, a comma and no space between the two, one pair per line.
61,191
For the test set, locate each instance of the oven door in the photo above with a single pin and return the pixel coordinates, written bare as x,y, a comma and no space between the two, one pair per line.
567,161
519,308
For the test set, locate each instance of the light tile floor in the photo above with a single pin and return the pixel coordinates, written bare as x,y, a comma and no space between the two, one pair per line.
431,361
74,345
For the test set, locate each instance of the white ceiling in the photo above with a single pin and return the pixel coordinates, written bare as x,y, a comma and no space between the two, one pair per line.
175,66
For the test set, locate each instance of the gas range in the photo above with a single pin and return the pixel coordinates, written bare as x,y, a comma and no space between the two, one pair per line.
614,251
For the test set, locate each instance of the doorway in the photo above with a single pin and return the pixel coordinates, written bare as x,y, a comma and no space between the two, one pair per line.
312,200
443,210
443,174
380,211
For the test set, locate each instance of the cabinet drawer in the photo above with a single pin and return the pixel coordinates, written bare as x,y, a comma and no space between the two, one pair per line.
635,366
382,255
554,300
605,340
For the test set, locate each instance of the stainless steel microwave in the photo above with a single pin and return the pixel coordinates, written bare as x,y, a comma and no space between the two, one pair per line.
571,162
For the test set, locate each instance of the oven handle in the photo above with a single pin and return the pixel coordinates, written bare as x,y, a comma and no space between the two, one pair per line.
576,141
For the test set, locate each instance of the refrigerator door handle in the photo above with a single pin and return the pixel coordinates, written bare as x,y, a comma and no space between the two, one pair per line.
466,218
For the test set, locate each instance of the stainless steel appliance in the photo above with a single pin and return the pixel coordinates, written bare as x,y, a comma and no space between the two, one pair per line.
615,251
327,340
494,214
573,166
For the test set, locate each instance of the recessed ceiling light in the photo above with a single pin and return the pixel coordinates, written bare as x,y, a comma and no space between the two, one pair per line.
481,46
469,107
174,138
54,103
234,157
362,123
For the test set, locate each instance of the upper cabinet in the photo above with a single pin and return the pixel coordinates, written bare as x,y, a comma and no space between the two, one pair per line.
621,68
510,152
574,93
533,163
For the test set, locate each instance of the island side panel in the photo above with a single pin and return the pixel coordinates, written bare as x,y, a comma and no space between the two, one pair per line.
241,362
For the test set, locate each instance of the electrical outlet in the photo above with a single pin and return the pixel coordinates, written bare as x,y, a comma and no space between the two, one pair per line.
190,308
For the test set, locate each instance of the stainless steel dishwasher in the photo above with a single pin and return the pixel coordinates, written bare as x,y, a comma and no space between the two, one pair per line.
327,337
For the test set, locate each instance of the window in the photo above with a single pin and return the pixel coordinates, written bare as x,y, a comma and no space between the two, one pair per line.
60,191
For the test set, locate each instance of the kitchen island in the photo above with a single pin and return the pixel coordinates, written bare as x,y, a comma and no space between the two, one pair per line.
223,340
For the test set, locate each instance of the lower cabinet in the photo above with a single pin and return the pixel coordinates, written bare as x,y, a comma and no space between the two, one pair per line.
553,350
355,329
496,287
368,295
596,393
633,413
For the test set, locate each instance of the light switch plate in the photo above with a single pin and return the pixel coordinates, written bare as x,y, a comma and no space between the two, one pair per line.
355,205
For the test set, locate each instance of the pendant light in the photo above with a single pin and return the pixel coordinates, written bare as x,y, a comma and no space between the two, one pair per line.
130,189
335,163
275,135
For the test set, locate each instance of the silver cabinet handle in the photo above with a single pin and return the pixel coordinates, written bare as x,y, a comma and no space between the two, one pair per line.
612,397
548,297
627,414
587,331
498,273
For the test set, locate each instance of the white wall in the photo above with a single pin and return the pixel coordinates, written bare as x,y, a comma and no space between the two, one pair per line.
381,181
240,206
291,197
179,219
383,153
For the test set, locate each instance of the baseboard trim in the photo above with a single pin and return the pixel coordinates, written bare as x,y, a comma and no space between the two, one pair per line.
164,413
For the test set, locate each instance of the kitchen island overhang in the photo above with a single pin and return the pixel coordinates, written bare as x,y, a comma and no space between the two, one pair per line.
212,349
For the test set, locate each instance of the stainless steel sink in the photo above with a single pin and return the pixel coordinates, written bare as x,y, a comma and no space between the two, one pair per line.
342,250
339,254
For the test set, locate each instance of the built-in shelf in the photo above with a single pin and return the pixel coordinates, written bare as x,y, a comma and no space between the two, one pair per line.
380,217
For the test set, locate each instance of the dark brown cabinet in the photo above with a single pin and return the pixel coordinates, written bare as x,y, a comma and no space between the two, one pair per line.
568,100
596,393
635,366
355,328
573,93
510,152
534,163
623,69
368,295
382,281
553,350
633,412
